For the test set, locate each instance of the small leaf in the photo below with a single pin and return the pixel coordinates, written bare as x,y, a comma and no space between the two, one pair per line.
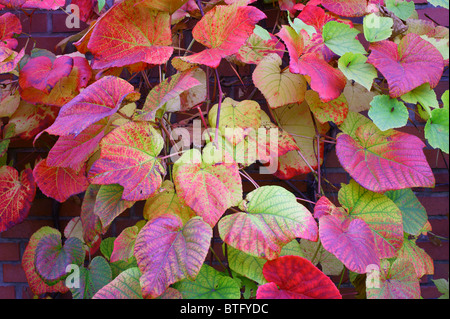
388,113
355,68
402,9
92,279
124,244
423,95
437,129
330,265
442,284
377,28
340,38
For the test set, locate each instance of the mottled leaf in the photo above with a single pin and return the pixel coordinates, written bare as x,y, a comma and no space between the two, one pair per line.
330,265
10,25
423,263
92,279
352,8
124,244
377,28
334,111
257,48
125,286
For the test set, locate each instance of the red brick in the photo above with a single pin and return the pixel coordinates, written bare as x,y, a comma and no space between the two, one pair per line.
435,205
35,23
430,292
41,207
441,270
435,252
59,24
7,292
44,42
26,228
9,251
436,159
71,207
13,273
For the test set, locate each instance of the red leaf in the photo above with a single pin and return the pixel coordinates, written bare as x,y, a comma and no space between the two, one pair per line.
42,73
351,241
58,182
10,25
224,29
131,32
349,8
315,16
97,101
16,195
407,65
9,59
294,277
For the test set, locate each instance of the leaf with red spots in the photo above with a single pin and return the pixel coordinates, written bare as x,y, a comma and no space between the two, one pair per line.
351,241
16,194
256,48
9,25
168,251
352,8
294,277
208,186
335,111
58,182
398,280
129,158
130,32
97,101
223,30
423,263
383,161
408,65
271,219
37,285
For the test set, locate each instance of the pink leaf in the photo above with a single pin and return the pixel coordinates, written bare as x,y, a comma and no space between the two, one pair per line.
10,26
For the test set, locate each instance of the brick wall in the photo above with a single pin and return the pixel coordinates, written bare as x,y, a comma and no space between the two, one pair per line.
48,28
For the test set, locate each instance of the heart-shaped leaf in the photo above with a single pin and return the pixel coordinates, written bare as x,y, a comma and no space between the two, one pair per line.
409,64
131,32
352,242
294,277
59,182
125,286
124,244
437,129
11,25
223,30
355,68
168,251
423,263
129,158
383,161
272,218
388,113
92,279
99,100
16,195
257,48
208,187
341,38
377,28
52,257
278,87
209,284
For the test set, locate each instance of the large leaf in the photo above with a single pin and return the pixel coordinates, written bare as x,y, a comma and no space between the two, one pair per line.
37,285
168,251
92,279
278,87
208,187
294,277
341,38
131,32
209,284
11,25
409,64
414,214
16,195
223,30
397,280
34,4
402,9
272,218
378,212
59,182
125,286
352,242
383,161
52,257
377,28
129,158
97,101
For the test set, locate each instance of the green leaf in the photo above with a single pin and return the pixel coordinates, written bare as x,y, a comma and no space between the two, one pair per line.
125,286
440,3
424,95
209,284
402,9
442,285
388,113
422,262
262,33
93,278
377,28
414,214
101,4
355,68
437,129
298,25
107,247
329,263
341,38
440,44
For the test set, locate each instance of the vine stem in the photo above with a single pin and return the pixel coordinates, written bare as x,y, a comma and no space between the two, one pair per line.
249,178
203,121
317,251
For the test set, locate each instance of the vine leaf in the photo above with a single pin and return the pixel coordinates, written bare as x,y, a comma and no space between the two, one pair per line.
124,244
377,28
125,286
398,280
99,100
209,187
256,48
334,111
355,68
93,278
383,161
11,25
411,63
341,38
294,277
16,195
271,219
129,157
167,5
330,265
209,284
59,182
223,30
37,284
34,4
423,263
352,8
52,257
402,9
131,32
278,87
168,251
437,129
388,113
